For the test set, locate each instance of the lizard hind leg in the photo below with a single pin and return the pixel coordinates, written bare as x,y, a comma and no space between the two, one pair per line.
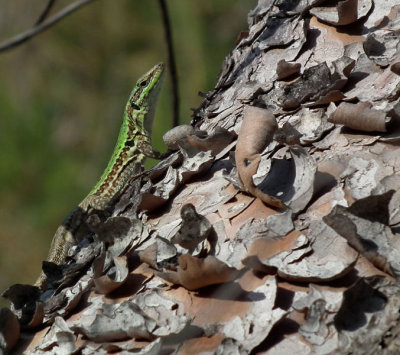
96,202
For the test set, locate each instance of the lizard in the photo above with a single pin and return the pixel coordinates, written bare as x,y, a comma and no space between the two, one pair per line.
132,147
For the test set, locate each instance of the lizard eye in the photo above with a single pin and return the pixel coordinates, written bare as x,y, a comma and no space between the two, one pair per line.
134,106
143,83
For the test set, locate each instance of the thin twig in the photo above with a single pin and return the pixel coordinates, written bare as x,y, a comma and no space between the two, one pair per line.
23,37
171,62
45,12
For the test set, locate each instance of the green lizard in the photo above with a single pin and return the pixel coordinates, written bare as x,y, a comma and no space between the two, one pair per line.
133,146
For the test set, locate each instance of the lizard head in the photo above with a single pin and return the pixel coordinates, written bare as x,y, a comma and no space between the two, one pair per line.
142,100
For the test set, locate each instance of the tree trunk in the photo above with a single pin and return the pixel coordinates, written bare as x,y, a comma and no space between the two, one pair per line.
292,243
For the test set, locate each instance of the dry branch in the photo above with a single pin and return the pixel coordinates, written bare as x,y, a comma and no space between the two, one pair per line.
41,26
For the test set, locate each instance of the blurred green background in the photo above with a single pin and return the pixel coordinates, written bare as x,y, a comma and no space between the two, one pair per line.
61,100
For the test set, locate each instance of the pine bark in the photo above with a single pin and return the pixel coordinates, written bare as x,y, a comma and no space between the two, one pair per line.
292,246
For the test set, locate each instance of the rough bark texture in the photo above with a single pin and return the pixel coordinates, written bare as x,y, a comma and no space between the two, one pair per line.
299,255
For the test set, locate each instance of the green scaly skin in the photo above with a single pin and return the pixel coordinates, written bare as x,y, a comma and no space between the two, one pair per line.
133,146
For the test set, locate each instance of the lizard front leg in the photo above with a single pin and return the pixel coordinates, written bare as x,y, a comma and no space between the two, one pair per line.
145,147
